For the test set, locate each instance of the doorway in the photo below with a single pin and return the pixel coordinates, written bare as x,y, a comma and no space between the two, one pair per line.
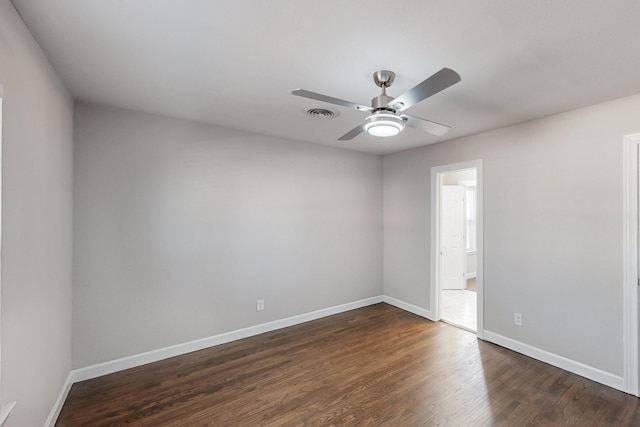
457,286
631,264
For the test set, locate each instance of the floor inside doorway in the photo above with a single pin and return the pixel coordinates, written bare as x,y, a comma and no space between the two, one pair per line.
459,307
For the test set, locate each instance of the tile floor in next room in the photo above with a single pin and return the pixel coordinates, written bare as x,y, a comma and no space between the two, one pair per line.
459,307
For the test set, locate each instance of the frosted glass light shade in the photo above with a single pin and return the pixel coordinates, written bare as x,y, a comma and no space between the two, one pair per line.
383,124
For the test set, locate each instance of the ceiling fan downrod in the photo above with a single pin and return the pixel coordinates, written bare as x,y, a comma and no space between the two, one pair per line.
383,79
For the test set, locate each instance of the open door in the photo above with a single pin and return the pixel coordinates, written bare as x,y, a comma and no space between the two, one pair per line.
453,244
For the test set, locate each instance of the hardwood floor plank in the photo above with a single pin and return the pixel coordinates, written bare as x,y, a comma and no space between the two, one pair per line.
375,366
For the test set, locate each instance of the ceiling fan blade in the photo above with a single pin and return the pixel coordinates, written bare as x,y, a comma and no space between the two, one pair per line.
352,133
331,100
434,84
425,125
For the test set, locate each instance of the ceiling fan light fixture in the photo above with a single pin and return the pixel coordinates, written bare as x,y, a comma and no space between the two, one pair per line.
383,124
386,113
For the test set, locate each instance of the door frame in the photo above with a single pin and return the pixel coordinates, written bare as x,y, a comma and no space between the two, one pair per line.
631,279
434,295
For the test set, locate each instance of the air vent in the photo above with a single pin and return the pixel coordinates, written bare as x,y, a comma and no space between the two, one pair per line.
320,112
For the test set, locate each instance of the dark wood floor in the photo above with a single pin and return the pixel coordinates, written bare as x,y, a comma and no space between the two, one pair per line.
375,366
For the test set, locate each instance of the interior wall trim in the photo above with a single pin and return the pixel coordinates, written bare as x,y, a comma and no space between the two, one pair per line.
558,361
112,366
133,361
630,252
117,365
423,312
434,284
5,410
62,397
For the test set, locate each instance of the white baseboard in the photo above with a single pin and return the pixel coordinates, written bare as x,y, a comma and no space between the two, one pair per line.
407,307
471,276
589,372
55,411
5,410
117,365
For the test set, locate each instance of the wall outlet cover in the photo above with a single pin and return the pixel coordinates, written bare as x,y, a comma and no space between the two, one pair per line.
517,319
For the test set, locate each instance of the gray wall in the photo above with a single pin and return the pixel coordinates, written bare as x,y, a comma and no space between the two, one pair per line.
552,228
180,227
37,152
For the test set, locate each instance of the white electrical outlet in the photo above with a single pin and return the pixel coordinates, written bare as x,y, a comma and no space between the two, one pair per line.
517,319
260,305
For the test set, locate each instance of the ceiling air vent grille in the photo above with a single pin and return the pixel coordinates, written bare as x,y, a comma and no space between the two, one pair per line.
320,112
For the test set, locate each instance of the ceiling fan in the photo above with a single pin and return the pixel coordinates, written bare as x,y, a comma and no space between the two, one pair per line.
385,118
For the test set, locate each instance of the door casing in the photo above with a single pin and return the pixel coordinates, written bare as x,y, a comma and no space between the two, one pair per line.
631,250
434,288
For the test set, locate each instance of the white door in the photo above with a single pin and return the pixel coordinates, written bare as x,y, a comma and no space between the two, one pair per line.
452,238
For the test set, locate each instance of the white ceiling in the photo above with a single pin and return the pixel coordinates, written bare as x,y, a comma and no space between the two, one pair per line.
235,62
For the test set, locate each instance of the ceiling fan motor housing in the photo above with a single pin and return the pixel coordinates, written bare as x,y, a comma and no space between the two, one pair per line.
381,102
